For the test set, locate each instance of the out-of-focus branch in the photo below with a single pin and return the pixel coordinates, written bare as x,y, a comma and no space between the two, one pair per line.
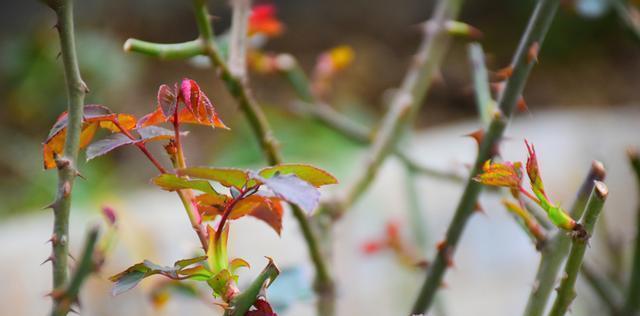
408,99
602,287
341,123
485,104
632,301
557,248
67,172
522,64
566,291
165,51
86,266
238,40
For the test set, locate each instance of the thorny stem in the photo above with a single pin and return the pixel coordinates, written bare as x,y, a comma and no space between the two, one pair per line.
535,33
86,266
409,98
632,303
566,291
76,90
556,249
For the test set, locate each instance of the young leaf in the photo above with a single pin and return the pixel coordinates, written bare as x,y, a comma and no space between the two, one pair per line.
211,205
171,182
126,282
263,20
293,190
198,105
315,176
166,100
270,212
181,264
238,263
151,133
154,118
505,174
228,177
106,145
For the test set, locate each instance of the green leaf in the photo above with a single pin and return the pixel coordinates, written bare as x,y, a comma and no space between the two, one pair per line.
171,182
315,176
238,263
293,190
228,177
127,282
106,145
220,282
181,264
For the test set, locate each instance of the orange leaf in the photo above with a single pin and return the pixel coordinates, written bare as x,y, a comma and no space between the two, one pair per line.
154,118
55,145
127,121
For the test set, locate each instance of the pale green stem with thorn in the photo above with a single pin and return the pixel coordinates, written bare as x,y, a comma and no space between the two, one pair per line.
536,30
566,291
86,266
67,172
554,253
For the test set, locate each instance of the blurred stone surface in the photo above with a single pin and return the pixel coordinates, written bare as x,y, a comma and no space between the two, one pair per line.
494,265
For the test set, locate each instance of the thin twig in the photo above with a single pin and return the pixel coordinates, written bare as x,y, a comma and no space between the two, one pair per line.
554,253
566,291
86,266
484,102
522,65
76,90
632,300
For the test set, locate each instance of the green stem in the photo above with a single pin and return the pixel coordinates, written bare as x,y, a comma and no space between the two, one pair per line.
243,301
535,33
554,253
632,301
76,90
165,51
409,98
484,102
85,267
566,291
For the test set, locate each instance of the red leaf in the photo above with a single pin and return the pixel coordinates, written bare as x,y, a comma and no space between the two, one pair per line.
167,100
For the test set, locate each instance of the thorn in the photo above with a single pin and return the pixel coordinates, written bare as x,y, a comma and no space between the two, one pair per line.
50,258
51,205
532,55
443,247
78,174
58,55
53,240
477,135
441,244
478,208
84,86
522,105
504,73
536,286
444,285
73,310
62,162
72,257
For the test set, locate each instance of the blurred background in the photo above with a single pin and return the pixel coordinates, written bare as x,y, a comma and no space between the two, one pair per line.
583,91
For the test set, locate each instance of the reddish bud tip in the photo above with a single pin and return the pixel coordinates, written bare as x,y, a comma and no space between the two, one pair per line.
110,214
522,105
